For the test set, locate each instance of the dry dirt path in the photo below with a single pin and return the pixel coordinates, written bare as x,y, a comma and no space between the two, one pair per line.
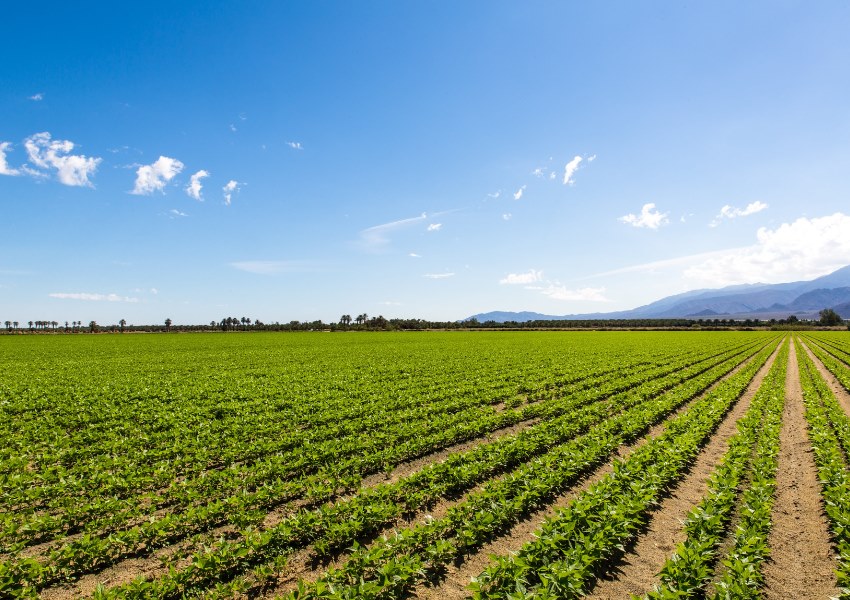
801,563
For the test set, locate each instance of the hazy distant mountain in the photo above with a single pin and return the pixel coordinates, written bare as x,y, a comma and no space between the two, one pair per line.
759,300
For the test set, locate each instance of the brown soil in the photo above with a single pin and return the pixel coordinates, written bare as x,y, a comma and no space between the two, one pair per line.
458,577
802,563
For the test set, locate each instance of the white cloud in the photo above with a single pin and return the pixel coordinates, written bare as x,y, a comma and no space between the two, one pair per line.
154,177
591,158
729,212
507,216
230,188
93,297
154,291
539,172
439,275
648,217
176,213
36,97
495,195
552,175
435,227
570,169
560,292
71,169
195,185
295,145
518,193
233,128
5,169
414,255
804,249
532,276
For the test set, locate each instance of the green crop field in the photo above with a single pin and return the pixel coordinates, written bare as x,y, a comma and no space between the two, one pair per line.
387,465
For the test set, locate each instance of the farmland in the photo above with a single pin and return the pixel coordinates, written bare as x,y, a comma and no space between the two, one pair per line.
429,464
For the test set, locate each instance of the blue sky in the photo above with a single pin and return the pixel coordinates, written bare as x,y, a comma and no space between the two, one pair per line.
414,159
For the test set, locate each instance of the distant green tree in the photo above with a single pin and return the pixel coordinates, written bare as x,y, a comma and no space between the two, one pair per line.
92,326
829,317
167,324
122,323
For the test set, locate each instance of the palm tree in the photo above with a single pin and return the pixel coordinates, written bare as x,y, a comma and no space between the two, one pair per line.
30,322
93,326
167,324
122,323
9,325
345,320
15,323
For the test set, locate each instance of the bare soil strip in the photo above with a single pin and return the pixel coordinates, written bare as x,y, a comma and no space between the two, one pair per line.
841,394
638,571
802,563
459,576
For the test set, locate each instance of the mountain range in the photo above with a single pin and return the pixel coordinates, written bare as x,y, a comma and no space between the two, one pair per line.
804,299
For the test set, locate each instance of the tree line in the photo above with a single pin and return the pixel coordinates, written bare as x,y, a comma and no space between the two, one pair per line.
828,318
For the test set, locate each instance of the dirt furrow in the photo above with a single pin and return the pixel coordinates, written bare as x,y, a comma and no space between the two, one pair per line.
802,563
458,576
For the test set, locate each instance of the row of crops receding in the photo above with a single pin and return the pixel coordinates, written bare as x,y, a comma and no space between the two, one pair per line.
371,465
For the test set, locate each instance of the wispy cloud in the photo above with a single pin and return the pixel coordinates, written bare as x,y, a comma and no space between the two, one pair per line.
5,169
730,212
154,177
273,267
570,170
176,213
495,195
230,188
659,265
435,227
71,169
519,192
93,297
194,188
439,275
377,237
36,97
648,218
539,172
560,292
295,145
414,255
532,276
507,216
233,128
591,158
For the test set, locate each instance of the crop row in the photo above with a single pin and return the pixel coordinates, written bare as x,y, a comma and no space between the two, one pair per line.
82,497
85,555
828,425
749,464
390,567
571,547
